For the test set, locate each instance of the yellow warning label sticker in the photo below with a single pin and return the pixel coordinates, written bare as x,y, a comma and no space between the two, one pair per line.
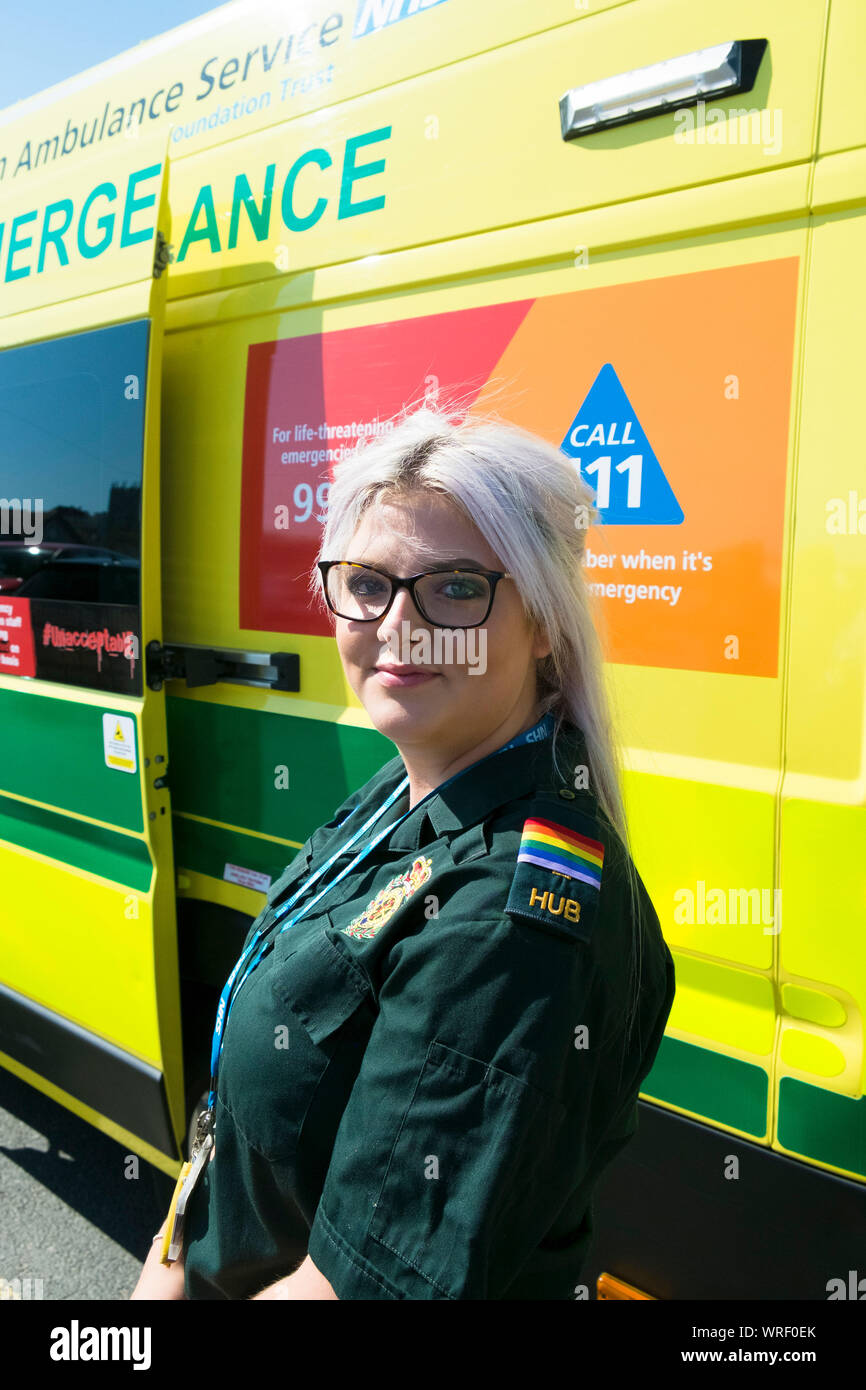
118,734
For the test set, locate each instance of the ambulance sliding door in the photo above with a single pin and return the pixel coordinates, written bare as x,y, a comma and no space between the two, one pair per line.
89,998
635,295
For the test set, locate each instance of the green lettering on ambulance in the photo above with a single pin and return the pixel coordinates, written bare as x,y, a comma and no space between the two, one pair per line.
353,172
105,223
133,205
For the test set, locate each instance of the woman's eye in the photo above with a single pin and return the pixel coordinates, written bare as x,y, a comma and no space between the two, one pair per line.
366,587
461,588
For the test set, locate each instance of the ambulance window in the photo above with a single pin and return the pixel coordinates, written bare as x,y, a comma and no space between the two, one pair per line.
72,414
83,582
21,560
71,432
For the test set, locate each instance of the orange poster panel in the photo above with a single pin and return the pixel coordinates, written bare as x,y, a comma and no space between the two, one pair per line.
673,396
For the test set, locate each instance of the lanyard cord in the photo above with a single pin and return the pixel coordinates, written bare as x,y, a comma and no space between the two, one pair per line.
540,730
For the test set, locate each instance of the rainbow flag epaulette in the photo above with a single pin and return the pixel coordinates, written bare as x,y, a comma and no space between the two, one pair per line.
561,849
557,880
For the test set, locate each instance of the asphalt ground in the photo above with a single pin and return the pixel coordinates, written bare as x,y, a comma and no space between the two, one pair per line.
74,1212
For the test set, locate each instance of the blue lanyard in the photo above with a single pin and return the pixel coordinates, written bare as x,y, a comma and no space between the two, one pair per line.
542,729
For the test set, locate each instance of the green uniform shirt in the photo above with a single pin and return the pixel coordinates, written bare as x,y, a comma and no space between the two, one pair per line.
421,1083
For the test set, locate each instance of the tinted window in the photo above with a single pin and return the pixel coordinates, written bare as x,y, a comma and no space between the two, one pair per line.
22,560
71,435
79,582
72,413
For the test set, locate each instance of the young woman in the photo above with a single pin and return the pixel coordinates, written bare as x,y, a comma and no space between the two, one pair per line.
440,1024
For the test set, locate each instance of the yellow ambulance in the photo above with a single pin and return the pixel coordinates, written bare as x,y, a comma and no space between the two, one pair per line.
229,253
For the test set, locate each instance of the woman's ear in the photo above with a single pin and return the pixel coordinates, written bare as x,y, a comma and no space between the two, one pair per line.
540,644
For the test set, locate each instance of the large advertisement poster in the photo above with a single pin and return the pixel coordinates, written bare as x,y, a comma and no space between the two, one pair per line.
671,395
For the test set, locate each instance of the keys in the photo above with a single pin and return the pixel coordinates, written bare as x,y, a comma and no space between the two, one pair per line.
204,1126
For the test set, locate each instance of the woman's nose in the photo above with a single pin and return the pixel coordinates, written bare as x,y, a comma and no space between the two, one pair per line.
402,610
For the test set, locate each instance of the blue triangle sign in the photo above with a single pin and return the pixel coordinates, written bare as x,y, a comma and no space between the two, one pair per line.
615,459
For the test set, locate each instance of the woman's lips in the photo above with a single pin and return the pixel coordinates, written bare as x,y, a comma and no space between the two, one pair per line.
396,679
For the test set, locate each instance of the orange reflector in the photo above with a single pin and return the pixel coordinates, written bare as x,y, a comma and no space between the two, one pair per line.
608,1287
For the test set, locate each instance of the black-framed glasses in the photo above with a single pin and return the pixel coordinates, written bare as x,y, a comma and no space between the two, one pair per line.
444,597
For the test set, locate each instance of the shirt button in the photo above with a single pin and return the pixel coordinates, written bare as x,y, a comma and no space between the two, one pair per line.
566,794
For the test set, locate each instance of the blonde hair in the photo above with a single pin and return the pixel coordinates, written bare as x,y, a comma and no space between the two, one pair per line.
529,503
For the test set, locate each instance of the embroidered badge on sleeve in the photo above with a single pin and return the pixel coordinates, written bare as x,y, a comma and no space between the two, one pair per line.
388,899
557,877
555,847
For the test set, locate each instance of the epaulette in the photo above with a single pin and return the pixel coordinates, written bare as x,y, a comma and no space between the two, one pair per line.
560,861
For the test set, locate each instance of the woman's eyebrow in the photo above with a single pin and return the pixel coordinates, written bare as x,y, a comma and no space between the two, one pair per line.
461,560
443,565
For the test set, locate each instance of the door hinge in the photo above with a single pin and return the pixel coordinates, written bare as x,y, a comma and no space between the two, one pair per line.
206,666
162,256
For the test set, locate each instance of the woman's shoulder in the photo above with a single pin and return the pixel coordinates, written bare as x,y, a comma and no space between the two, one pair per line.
564,861
560,787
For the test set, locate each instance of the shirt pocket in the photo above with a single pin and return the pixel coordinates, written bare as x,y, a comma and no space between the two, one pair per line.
318,981
466,1158
323,1004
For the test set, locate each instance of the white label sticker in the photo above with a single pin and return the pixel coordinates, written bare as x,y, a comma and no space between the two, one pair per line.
247,878
118,734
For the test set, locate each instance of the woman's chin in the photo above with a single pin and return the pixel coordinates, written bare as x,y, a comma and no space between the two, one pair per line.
404,711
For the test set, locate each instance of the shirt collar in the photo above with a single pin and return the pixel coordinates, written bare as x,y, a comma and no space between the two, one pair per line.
483,787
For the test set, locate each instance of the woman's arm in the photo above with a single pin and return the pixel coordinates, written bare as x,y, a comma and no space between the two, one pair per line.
306,1283
156,1279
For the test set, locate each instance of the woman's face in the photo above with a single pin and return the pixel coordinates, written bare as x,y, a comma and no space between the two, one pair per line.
477,687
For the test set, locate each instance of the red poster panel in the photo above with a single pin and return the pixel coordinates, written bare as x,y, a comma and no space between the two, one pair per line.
16,638
308,401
